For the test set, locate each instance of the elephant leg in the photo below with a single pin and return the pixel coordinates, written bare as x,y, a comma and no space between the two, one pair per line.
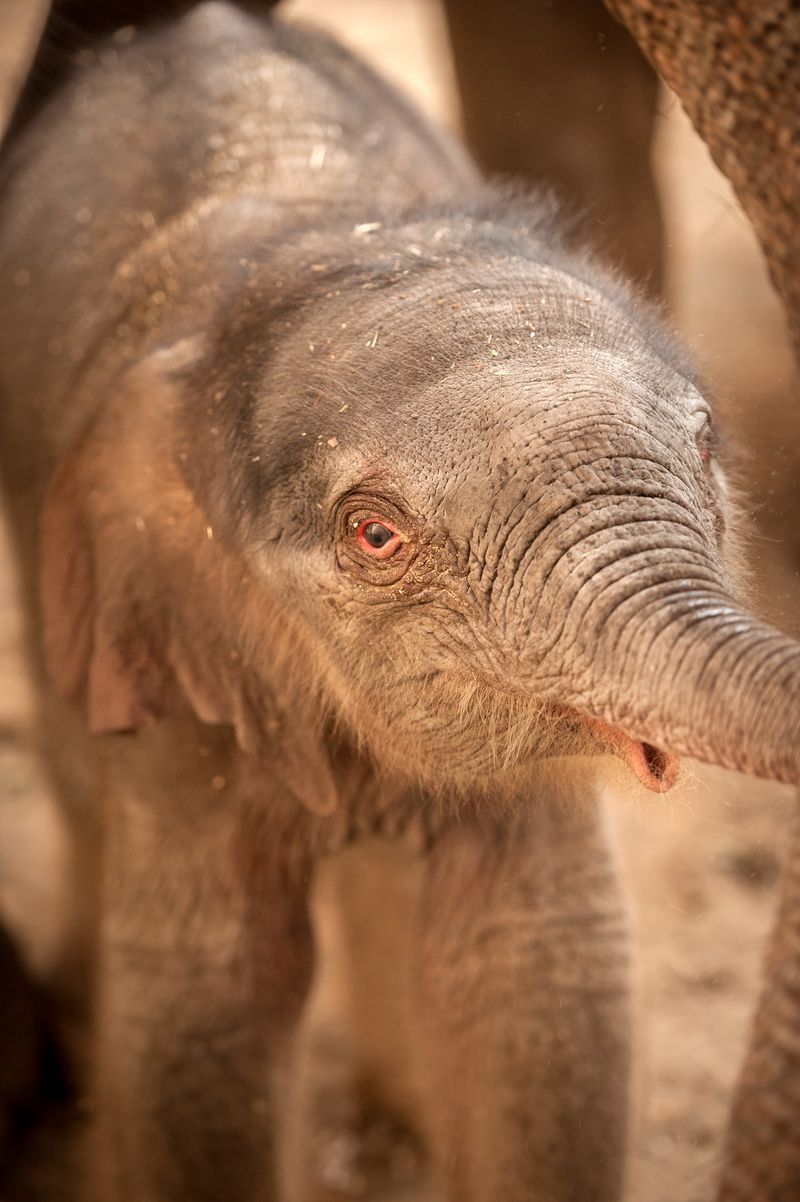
204,967
354,1114
762,1153
560,94
526,1011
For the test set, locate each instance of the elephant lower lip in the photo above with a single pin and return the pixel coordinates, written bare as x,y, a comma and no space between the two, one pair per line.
656,769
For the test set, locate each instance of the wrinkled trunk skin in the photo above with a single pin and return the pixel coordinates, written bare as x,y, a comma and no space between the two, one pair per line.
721,687
762,1158
735,65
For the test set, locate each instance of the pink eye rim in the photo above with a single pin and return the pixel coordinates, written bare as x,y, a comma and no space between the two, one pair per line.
384,550
383,566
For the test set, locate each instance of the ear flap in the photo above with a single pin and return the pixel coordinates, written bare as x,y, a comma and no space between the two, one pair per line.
65,583
82,652
137,653
292,747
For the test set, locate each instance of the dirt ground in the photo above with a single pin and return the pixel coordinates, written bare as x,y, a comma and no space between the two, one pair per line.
703,861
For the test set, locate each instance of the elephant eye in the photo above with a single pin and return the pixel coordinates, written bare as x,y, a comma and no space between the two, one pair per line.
377,539
708,443
376,534
374,539
704,433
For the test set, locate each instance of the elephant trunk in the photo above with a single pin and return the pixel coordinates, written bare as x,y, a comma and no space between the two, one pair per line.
651,649
714,684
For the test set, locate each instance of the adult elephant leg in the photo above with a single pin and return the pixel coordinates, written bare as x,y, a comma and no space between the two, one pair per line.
561,95
762,1159
525,1008
204,968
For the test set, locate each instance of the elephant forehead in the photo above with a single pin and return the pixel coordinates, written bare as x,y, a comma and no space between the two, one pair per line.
551,419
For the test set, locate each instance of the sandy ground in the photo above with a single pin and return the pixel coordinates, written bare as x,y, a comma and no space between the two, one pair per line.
702,862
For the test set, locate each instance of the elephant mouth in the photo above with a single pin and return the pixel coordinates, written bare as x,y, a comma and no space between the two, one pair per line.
656,769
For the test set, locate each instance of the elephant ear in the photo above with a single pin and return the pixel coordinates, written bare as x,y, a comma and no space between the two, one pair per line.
134,626
94,644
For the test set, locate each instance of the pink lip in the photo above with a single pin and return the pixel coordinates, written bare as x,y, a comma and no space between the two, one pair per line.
656,769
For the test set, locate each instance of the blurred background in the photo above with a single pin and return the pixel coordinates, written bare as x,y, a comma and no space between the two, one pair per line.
703,860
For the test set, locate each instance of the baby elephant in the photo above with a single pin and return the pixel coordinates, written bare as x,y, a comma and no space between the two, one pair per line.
349,506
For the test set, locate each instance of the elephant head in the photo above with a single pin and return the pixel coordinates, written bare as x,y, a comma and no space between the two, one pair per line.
438,490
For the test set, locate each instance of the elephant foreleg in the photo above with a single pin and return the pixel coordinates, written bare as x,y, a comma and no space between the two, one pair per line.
526,1013
205,962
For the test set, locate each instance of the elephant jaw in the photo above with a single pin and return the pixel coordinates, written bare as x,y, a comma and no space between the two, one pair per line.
656,769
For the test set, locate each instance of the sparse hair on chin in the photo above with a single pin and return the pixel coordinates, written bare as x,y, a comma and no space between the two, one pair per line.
463,739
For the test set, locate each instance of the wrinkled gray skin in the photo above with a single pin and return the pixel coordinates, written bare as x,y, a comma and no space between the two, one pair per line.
249,300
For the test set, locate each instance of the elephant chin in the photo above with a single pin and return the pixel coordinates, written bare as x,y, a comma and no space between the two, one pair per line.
656,769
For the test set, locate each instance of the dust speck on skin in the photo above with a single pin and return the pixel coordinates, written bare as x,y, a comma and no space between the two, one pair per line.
333,442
